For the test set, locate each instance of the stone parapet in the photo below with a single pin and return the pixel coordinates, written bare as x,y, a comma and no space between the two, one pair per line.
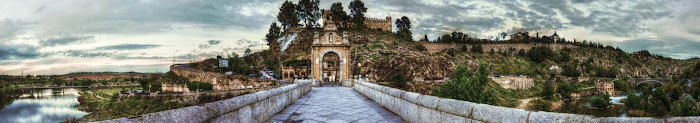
250,108
417,108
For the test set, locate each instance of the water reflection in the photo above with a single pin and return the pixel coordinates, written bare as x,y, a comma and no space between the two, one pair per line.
47,105
583,106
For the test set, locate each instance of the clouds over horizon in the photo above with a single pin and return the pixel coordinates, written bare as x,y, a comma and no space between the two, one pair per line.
152,31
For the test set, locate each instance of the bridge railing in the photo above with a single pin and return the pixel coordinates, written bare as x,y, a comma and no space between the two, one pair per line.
250,108
417,108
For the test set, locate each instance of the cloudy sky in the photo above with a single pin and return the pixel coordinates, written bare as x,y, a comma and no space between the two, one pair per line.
57,37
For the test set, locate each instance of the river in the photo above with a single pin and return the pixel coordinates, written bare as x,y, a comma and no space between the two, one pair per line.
583,106
42,106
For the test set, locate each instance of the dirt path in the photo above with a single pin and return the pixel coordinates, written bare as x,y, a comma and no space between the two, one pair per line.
524,102
98,96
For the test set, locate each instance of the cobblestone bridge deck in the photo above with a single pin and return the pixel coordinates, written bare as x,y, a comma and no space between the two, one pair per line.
335,104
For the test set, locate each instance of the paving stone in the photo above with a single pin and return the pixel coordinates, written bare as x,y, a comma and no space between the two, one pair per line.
337,105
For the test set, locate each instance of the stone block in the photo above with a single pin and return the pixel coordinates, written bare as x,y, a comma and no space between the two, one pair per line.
489,113
245,115
456,107
631,120
428,115
409,111
395,92
262,95
428,101
411,97
551,117
683,119
450,118
231,117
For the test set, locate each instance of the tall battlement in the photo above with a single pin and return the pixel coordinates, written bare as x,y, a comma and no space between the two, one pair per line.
383,24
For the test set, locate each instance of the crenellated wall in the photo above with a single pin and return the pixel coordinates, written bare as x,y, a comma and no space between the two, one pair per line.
250,108
417,108
437,47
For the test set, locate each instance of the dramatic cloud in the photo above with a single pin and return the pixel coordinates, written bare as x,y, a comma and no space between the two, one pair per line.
64,40
128,47
156,33
214,42
17,51
675,48
8,28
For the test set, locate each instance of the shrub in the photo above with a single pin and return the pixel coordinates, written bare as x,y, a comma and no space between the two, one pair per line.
540,105
398,80
193,86
598,102
547,91
468,86
420,47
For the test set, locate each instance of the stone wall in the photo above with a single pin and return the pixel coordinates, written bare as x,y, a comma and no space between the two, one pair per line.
417,108
437,47
251,108
514,82
218,80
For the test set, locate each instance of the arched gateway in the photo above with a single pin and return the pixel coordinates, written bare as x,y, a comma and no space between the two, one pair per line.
330,53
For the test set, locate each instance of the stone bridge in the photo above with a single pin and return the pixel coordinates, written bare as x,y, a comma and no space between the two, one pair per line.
359,101
637,81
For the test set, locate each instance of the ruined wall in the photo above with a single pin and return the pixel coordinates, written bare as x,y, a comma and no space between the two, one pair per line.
417,108
437,47
250,108
218,80
514,82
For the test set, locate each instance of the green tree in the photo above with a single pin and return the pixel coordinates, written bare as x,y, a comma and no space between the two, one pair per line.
338,15
308,12
194,86
468,86
540,53
622,85
404,26
477,48
685,107
357,11
547,91
566,89
288,16
238,65
272,35
599,102
634,102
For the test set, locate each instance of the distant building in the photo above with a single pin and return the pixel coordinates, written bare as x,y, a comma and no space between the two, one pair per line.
555,37
605,87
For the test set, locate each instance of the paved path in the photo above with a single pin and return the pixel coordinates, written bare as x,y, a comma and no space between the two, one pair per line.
334,104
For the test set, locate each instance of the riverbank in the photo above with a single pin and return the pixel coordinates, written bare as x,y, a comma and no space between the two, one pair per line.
105,103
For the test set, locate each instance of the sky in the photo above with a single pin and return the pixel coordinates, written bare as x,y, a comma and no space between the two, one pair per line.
58,37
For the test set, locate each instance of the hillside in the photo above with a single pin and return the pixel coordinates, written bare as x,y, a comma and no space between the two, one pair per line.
379,55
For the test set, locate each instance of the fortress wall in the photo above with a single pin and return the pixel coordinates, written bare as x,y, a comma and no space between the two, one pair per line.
417,108
250,108
218,80
437,47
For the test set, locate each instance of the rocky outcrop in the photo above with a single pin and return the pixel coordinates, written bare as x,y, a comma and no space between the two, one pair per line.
382,63
218,80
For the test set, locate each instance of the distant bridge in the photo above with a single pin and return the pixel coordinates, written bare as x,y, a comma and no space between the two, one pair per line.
637,81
